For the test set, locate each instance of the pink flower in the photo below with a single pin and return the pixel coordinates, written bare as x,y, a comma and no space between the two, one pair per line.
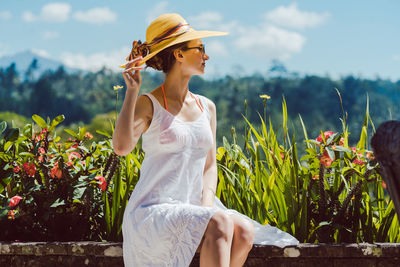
74,155
315,177
341,141
384,184
70,163
14,201
56,172
102,182
41,150
354,149
326,160
358,162
16,169
40,158
327,134
88,135
30,168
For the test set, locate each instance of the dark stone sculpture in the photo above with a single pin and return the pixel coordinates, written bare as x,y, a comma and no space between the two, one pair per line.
386,146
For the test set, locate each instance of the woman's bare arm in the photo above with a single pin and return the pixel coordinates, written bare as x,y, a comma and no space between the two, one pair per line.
135,115
210,176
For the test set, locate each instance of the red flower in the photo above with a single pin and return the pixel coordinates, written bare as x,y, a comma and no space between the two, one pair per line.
384,184
358,162
40,158
327,134
102,182
11,214
370,155
44,131
30,168
326,160
315,177
354,149
75,145
16,169
70,163
14,201
56,172
41,150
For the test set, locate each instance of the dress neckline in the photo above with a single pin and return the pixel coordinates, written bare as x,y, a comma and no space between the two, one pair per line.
175,117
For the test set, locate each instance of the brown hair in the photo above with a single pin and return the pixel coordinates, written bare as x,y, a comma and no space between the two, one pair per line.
165,59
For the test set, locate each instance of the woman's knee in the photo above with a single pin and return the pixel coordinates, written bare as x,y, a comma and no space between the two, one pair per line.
244,232
220,226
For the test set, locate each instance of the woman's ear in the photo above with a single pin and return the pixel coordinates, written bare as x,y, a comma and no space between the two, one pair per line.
178,55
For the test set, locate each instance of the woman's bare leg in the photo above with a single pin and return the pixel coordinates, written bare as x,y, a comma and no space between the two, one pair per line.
243,236
216,247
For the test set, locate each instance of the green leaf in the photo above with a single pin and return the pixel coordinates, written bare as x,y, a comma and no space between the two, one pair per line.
344,149
57,120
7,146
71,133
12,134
3,126
58,202
39,120
103,133
78,193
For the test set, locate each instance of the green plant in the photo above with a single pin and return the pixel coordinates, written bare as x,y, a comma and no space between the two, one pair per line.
57,183
332,194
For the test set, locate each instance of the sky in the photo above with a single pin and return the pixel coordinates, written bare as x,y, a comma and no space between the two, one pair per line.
309,37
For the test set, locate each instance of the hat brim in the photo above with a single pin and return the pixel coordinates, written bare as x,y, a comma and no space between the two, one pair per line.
188,36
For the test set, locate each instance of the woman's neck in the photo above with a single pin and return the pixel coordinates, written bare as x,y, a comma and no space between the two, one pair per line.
176,85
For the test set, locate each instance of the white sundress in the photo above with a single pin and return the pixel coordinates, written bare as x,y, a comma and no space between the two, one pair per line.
163,222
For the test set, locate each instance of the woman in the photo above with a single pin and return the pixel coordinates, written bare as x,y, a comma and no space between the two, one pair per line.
173,210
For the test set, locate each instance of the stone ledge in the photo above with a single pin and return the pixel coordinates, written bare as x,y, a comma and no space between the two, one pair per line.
110,254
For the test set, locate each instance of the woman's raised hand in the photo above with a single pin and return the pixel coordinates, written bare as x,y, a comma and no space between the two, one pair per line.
133,80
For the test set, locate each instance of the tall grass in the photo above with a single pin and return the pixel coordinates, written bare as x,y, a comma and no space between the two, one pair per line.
333,193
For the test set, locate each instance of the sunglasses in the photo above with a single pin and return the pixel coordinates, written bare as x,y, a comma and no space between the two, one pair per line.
202,49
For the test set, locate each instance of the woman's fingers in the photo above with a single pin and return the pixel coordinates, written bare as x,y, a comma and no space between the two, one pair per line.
133,68
132,62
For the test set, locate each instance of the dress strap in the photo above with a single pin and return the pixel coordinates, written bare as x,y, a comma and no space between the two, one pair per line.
197,102
165,98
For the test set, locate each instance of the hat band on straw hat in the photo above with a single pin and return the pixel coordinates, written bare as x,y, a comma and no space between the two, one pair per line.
170,34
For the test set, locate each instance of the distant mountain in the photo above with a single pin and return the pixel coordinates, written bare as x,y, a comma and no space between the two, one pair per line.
25,58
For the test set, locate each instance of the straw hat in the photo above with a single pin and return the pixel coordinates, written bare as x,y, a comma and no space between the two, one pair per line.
168,30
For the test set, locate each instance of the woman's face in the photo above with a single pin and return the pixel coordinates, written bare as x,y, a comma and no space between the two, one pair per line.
194,57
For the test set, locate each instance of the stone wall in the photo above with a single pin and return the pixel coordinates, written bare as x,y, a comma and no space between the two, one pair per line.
110,254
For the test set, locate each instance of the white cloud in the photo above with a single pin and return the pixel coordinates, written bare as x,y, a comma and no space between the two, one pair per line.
29,16
157,10
48,35
53,12
41,52
6,15
270,42
291,17
96,61
98,15
216,48
213,21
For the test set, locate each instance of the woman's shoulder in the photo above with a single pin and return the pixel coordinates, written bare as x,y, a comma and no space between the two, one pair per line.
210,104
